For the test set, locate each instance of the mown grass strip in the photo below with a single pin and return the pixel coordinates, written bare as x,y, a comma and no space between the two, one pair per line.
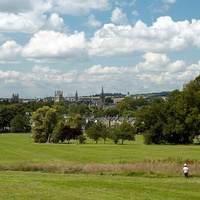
41,186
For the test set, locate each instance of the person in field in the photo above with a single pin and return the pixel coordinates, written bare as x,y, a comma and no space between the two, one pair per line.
185,170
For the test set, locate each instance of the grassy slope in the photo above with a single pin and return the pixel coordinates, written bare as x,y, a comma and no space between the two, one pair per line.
20,148
37,186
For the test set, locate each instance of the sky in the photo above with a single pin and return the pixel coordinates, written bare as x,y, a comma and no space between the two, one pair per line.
135,46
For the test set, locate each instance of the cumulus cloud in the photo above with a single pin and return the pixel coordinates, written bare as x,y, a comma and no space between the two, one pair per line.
155,73
28,16
78,7
118,17
92,22
125,3
163,36
44,70
135,13
21,22
55,22
169,1
10,52
50,46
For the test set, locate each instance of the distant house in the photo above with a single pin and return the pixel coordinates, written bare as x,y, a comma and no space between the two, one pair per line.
111,121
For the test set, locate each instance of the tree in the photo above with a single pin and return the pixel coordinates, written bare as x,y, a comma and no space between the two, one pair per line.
104,132
57,132
174,121
130,105
67,130
19,124
95,131
125,131
108,100
113,134
78,109
149,121
7,113
43,122
75,121
81,138
111,112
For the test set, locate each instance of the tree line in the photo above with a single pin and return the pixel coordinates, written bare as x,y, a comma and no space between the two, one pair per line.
174,120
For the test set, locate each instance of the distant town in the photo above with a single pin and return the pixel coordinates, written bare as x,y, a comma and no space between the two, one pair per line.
97,99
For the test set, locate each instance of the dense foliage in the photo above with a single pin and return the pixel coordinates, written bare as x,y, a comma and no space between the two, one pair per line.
174,121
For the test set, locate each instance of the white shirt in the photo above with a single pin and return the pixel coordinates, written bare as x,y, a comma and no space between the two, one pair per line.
185,169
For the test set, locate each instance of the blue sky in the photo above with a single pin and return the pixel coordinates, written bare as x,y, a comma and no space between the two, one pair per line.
135,46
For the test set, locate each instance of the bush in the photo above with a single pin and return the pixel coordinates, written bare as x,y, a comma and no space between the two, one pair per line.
81,139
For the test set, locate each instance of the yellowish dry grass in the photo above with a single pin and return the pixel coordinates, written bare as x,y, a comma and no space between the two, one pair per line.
131,169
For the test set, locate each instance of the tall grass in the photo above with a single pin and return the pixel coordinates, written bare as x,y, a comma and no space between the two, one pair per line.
20,153
147,169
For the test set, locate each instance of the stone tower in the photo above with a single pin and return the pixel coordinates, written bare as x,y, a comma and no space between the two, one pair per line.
58,96
15,98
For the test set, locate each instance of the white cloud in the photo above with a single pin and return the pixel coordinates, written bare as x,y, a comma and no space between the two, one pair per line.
163,36
51,46
169,1
79,7
44,70
22,22
162,9
55,22
156,73
118,17
155,62
4,37
92,22
125,3
194,67
26,16
135,13
10,52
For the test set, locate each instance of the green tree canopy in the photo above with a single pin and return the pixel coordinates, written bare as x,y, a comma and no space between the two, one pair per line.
43,122
174,121
125,131
95,131
20,124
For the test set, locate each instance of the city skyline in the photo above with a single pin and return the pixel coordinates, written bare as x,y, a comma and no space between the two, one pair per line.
134,46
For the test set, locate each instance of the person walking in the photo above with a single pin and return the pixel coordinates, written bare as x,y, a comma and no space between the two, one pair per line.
185,170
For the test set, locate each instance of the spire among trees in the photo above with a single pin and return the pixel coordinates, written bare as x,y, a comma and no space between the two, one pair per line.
76,96
102,98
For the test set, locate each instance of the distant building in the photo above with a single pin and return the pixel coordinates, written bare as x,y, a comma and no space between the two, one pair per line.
76,96
15,98
102,98
58,96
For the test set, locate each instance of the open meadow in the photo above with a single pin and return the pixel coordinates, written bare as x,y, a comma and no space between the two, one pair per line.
96,171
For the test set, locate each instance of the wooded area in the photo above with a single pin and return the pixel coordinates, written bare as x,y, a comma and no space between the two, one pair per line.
173,120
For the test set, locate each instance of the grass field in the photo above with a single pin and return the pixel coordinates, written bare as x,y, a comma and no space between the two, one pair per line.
42,186
96,171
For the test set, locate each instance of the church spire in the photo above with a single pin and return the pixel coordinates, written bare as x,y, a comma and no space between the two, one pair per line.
76,96
102,97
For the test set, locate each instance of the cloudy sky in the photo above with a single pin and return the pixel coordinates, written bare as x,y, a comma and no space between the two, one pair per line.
135,46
